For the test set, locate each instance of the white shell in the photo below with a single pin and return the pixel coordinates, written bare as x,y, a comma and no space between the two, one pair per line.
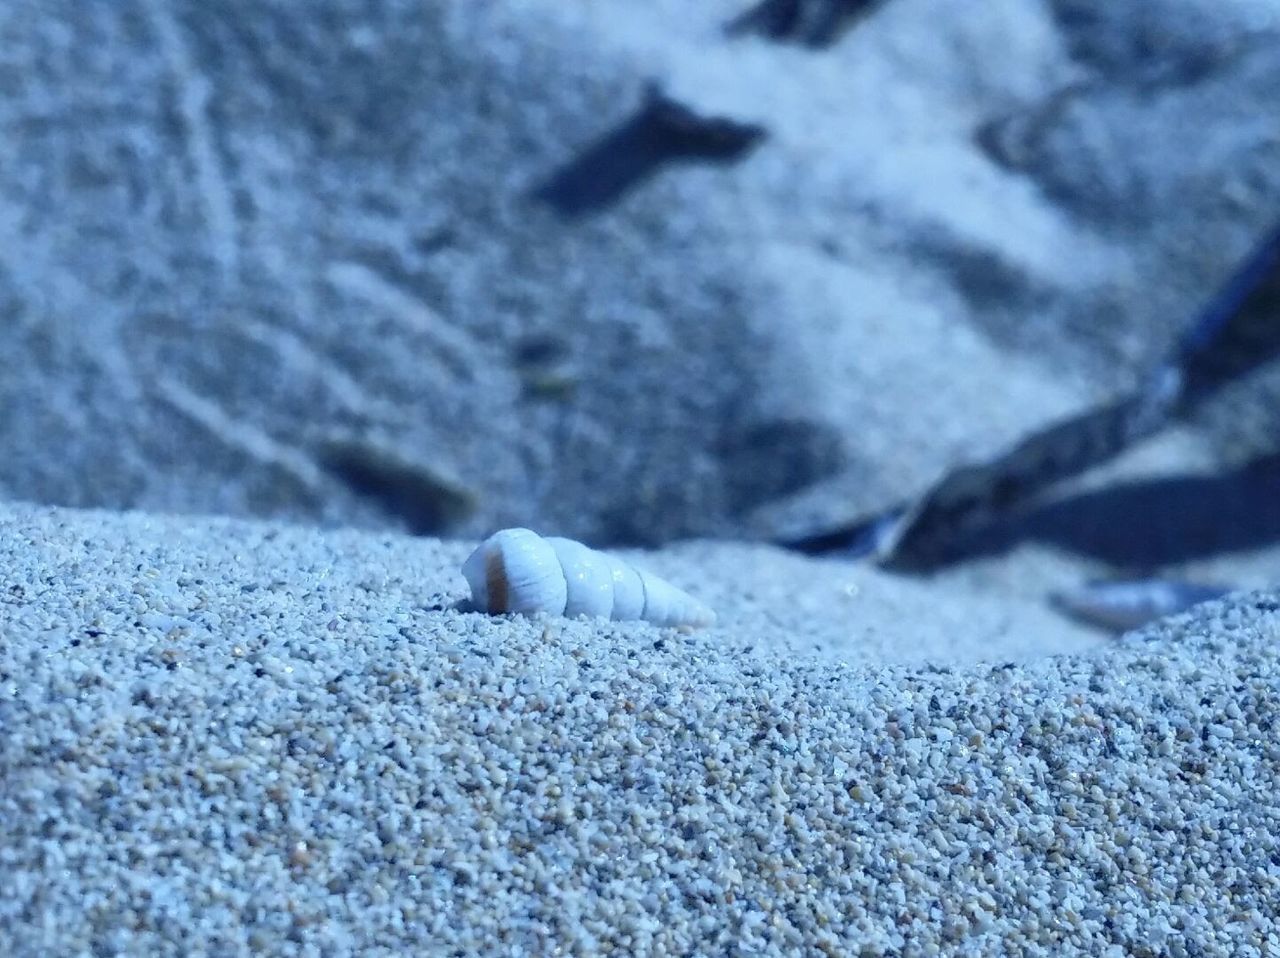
517,570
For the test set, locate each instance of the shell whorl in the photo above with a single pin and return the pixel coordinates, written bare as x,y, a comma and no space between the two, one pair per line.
517,570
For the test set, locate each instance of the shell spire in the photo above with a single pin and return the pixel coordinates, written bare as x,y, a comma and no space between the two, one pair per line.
517,570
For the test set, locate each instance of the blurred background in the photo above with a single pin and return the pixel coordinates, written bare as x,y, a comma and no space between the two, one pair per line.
638,272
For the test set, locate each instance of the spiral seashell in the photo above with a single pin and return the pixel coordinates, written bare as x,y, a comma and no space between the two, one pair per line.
517,570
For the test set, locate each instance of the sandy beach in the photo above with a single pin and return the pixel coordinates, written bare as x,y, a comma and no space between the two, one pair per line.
299,303
225,737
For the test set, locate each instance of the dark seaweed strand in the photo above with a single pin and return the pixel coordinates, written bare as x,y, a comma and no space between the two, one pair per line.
1240,330
909,536
812,23
1237,331
1212,326
972,496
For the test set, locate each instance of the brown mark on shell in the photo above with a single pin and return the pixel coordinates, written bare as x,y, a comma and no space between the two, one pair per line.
495,574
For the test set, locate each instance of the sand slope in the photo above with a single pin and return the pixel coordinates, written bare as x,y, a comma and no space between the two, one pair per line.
221,737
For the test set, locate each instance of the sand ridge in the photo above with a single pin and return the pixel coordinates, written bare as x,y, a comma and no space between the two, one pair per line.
223,737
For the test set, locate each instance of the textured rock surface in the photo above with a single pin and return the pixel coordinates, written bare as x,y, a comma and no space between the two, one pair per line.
242,738
436,266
